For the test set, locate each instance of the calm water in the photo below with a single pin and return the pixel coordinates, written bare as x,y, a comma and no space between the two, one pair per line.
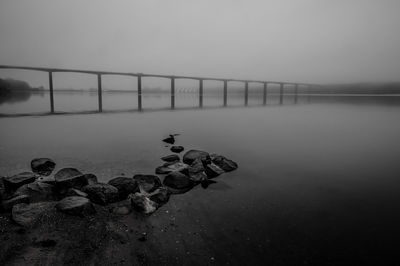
318,181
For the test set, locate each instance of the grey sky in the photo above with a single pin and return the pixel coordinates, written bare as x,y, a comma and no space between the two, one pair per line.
290,40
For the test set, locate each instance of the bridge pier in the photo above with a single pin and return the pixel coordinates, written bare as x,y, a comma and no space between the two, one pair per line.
100,96
281,94
200,93
51,92
139,91
246,93
225,93
172,93
265,94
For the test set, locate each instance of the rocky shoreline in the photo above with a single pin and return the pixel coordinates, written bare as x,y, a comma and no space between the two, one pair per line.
29,198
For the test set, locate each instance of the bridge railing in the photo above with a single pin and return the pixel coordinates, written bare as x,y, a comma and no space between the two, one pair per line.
172,78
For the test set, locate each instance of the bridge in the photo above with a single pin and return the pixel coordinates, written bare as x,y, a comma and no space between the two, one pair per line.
172,78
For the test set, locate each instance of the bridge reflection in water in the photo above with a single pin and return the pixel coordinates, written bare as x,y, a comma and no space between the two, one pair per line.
172,78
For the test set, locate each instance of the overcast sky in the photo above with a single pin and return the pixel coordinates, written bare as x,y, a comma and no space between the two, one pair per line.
289,40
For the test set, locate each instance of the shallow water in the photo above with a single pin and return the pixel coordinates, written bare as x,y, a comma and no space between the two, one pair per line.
318,181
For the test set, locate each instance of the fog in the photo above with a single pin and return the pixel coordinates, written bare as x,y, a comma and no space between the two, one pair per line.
301,41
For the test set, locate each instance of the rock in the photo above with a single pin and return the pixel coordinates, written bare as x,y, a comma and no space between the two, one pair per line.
43,166
70,177
169,140
15,181
148,183
205,183
7,205
192,155
142,204
122,208
170,167
101,193
224,163
75,205
76,192
91,179
37,191
160,196
2,189
213,170
177,149
196,171
28,214
171,158
47,179
125,185
177,183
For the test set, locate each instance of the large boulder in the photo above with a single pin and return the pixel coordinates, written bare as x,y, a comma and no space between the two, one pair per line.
70,177
170,167
142,203
101,193
224,163
170,158
28,214
125,185
177,183
37,191
147,183
76,205
15,181
190,156
7,205
43,166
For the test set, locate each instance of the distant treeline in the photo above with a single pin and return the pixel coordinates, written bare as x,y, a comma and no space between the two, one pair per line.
13,85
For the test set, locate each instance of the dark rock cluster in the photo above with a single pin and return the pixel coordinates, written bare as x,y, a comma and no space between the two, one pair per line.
29,195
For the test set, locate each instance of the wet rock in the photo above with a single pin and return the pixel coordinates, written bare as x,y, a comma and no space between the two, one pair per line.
213,170
70,177
43,166
142,204
224,163
37,191
47,179
7,205
192,155
177,149
90,178
177,183
2,189
169,140
160,196
15,181
148,183
101,193
170,167
171,158
122,208
125,185
196,171
76,192
75,205
28,214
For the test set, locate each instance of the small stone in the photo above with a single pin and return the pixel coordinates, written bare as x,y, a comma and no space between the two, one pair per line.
192,155
125,186
142,203
75,205
177,183
224,163
8,204
170,158
196,171
169,140
171,167
160,196
15,181
177,149
148,183
91,179
28,214
101,193
213,170
43,166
